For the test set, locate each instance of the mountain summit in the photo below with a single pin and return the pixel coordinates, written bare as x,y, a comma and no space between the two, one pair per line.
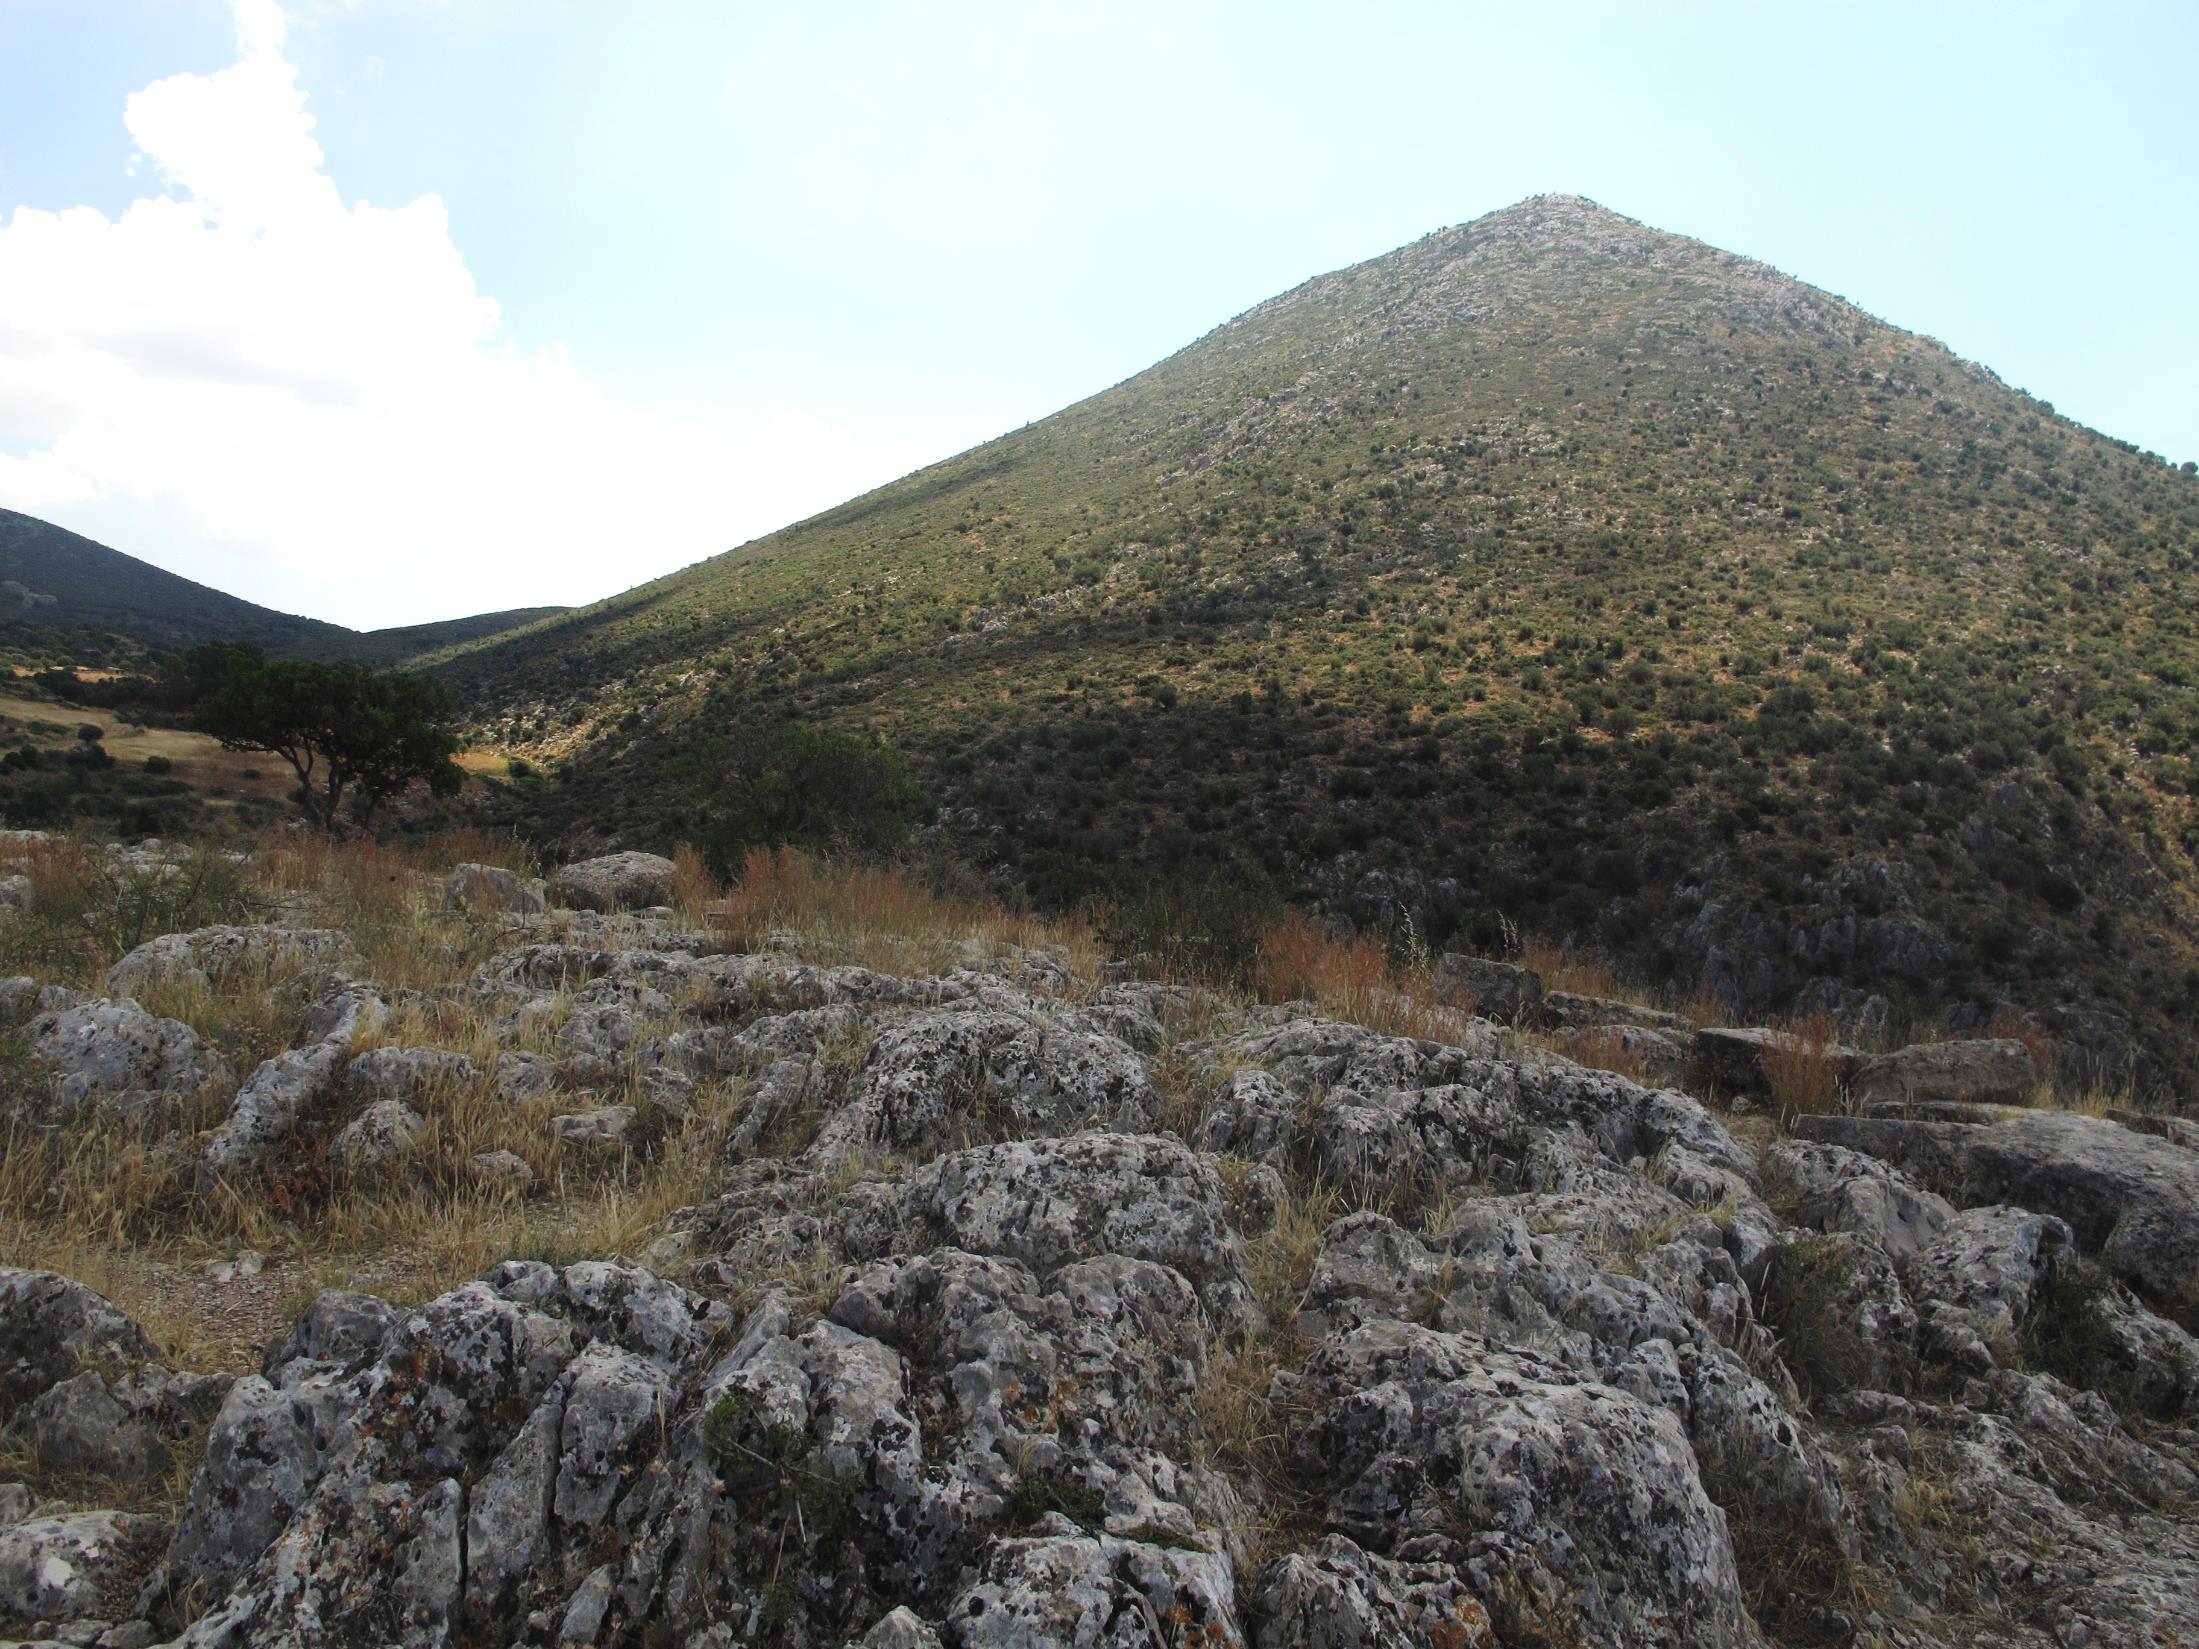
1552,573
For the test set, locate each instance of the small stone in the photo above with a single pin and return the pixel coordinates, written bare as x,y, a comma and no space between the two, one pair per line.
503,1168
248,1263
607,1125
378,1136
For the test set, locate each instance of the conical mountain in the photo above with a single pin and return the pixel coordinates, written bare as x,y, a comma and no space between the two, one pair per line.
1550,574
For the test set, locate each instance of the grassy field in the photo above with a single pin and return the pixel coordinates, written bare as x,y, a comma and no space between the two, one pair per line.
148,780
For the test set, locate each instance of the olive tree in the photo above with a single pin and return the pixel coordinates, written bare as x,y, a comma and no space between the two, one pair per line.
341,727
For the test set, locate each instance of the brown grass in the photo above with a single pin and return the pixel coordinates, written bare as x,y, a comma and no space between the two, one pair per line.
1801,1072
1352,978
695,892
119,1208
1604,1048
1565,969
879,916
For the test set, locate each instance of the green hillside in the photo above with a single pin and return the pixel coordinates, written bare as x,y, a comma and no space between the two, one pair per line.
65,598
52,579
1550,573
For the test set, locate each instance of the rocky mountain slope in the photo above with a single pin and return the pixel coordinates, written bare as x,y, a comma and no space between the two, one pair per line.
1551,571
59,588
1019,1305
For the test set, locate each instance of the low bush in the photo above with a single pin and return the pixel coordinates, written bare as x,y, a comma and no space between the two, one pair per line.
1804,1303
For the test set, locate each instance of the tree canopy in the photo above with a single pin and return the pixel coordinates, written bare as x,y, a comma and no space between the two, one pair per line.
341,727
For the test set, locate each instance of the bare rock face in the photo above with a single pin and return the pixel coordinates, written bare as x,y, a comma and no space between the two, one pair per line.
1993,1072
407,1073
113,1060
617,881
212,957
2131,1200
1010,1070
83,1392
72,1567
492,888
269,1105
378,1136
52,1329
1012,1322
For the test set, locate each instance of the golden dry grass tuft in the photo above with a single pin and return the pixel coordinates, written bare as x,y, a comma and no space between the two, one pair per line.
880,916
120,1207
1353,977
1564,968
1801,1069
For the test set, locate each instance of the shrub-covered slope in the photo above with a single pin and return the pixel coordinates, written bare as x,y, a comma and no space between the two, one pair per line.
1550,571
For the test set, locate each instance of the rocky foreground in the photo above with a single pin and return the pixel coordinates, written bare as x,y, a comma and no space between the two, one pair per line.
1037,1310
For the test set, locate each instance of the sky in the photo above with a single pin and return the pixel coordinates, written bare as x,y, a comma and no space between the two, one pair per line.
385,311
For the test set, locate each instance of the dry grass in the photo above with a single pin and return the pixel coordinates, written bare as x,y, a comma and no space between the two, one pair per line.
1353,978
695,892
1565,969
880,916
119,1208
1608,1048
1800,1070
1248,1432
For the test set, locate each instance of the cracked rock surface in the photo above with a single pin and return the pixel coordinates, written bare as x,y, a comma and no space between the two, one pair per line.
1037,1312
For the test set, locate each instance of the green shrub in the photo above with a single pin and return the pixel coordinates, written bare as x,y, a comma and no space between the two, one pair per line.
2067,1332
1804,1303
1044,1492
159,764
784,784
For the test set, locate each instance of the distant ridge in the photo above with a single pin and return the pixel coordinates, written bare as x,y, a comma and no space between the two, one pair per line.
54,579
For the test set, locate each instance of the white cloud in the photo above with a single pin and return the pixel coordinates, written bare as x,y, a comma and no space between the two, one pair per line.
265,372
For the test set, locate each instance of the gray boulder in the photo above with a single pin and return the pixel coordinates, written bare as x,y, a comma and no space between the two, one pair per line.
521,1076
113,1059
493,889
957,1072
1569,1010
211,958
617,881
1339,1596
1065,1587
73,1567
268,1106
2131,1200
1996,1071
1501,992
378,1136
124,1426
52,1329
1052,1202
1584,1501
407,1073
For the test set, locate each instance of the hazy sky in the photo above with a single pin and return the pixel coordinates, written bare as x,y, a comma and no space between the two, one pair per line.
388,310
